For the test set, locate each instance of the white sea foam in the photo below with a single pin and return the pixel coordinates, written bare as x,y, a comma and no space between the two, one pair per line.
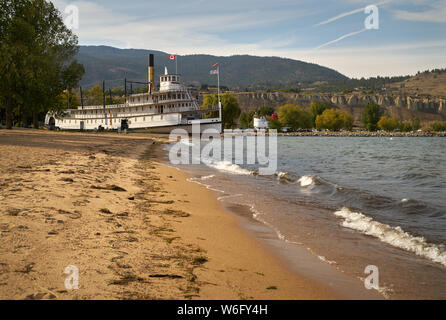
229,196
322,258
207,177
394,236
281,174
229,167
197,180
306,181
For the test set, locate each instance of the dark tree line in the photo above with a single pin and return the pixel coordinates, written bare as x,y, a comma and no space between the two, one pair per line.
37,63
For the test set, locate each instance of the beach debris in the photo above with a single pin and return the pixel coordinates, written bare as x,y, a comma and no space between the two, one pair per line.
13,212
199,260
72,215
177,213
109,187
124,214
126,279
170,276
106,211
67,172
27,269
271,288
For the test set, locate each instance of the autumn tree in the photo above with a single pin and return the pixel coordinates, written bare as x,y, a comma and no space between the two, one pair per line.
295,117
388,123
317,108
333,119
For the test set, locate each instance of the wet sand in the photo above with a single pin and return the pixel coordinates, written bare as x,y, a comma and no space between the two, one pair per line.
134,227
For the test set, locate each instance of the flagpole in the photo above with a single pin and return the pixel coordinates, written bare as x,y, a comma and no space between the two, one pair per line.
218,89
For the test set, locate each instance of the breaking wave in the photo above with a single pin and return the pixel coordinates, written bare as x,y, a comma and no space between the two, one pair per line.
284,177
230,167
394,236
306,181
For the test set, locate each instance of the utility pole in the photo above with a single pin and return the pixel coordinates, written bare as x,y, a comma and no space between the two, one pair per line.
103,101
125,90
218,90
82,99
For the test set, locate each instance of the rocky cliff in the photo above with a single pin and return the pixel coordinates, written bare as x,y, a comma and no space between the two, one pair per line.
403,107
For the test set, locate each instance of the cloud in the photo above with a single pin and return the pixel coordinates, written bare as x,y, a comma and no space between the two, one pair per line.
178,31
436,13
224,29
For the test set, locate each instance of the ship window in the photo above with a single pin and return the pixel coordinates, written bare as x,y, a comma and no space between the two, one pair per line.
161,117
144,119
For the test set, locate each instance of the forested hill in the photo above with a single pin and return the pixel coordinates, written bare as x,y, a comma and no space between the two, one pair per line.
243,71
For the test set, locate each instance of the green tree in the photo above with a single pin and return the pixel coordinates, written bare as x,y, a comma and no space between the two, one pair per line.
295,117
333,119
371,116
317,108
439,126
275,124
36,54
388,123
230,109
415,123
406,126
247,119
265,111
244,120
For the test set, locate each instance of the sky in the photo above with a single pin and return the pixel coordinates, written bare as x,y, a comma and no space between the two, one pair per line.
395,37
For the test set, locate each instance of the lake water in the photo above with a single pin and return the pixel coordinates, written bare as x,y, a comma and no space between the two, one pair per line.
353,202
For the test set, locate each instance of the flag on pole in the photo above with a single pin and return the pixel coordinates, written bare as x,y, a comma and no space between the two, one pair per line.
214,71
215,65
172,57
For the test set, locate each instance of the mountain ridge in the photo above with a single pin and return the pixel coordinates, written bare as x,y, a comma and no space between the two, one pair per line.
237,71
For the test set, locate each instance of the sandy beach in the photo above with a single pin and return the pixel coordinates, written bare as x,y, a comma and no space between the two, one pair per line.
134,227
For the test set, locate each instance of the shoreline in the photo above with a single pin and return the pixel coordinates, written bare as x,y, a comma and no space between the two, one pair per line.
363,134
133,226
238,267
297,266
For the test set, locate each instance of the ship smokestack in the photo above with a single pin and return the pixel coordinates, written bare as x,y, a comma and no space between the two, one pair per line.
151,73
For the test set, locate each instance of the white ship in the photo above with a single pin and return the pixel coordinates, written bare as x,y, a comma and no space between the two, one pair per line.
155,111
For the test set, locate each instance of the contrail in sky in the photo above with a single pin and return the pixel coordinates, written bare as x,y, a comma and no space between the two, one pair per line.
345,14
341,38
